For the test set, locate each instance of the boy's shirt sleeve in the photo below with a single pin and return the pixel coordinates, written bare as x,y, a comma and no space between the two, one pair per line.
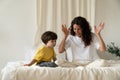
39,54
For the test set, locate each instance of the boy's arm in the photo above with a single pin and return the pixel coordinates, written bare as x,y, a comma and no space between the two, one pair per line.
31,63
54,59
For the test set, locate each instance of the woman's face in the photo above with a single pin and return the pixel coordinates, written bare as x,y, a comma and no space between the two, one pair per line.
77,30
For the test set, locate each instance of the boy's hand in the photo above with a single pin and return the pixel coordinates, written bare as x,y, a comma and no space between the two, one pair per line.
26,64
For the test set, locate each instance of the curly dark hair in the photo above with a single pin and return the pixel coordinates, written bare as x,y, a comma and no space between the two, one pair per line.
86,29
48,35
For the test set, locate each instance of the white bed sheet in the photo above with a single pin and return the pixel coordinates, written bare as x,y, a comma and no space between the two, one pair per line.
96,70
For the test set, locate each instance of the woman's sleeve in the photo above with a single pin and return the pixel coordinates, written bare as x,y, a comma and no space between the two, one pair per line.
96,42
67,42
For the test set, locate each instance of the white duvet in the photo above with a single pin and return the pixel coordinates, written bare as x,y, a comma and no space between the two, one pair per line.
84,70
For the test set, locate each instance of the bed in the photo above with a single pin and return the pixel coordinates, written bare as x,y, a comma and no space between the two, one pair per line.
84,70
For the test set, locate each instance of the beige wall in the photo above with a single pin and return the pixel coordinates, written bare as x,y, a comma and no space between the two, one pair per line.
17,28
108,11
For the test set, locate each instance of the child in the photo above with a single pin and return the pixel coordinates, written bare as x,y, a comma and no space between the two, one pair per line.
46,54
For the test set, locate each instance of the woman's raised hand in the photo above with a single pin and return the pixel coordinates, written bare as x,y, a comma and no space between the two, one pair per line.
99,28
65,30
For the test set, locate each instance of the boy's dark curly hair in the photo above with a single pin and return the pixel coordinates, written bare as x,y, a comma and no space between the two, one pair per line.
86,29
48,35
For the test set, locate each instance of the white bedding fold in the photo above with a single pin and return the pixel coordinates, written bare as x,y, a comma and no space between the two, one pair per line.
96,70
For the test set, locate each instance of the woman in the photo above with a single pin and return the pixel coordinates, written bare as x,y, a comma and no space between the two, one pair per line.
83,43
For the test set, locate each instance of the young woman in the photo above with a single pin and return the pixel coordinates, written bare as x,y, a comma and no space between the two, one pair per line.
83,43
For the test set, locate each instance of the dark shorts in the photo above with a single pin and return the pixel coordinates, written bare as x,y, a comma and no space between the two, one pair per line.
47,64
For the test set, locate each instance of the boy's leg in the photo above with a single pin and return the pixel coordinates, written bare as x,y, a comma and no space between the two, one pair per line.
47,64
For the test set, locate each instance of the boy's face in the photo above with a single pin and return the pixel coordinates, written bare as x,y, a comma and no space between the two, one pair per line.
51,43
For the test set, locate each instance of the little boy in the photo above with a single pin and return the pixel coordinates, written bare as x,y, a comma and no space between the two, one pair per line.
46,56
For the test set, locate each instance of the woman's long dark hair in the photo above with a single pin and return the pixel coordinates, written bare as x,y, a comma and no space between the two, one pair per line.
86,29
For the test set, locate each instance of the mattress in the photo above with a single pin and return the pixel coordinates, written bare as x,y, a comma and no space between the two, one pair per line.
83,70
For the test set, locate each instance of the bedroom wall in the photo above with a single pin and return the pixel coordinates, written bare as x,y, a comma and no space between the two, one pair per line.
17,29
108,11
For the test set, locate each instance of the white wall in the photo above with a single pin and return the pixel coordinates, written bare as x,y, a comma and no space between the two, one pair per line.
108,11
17,28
